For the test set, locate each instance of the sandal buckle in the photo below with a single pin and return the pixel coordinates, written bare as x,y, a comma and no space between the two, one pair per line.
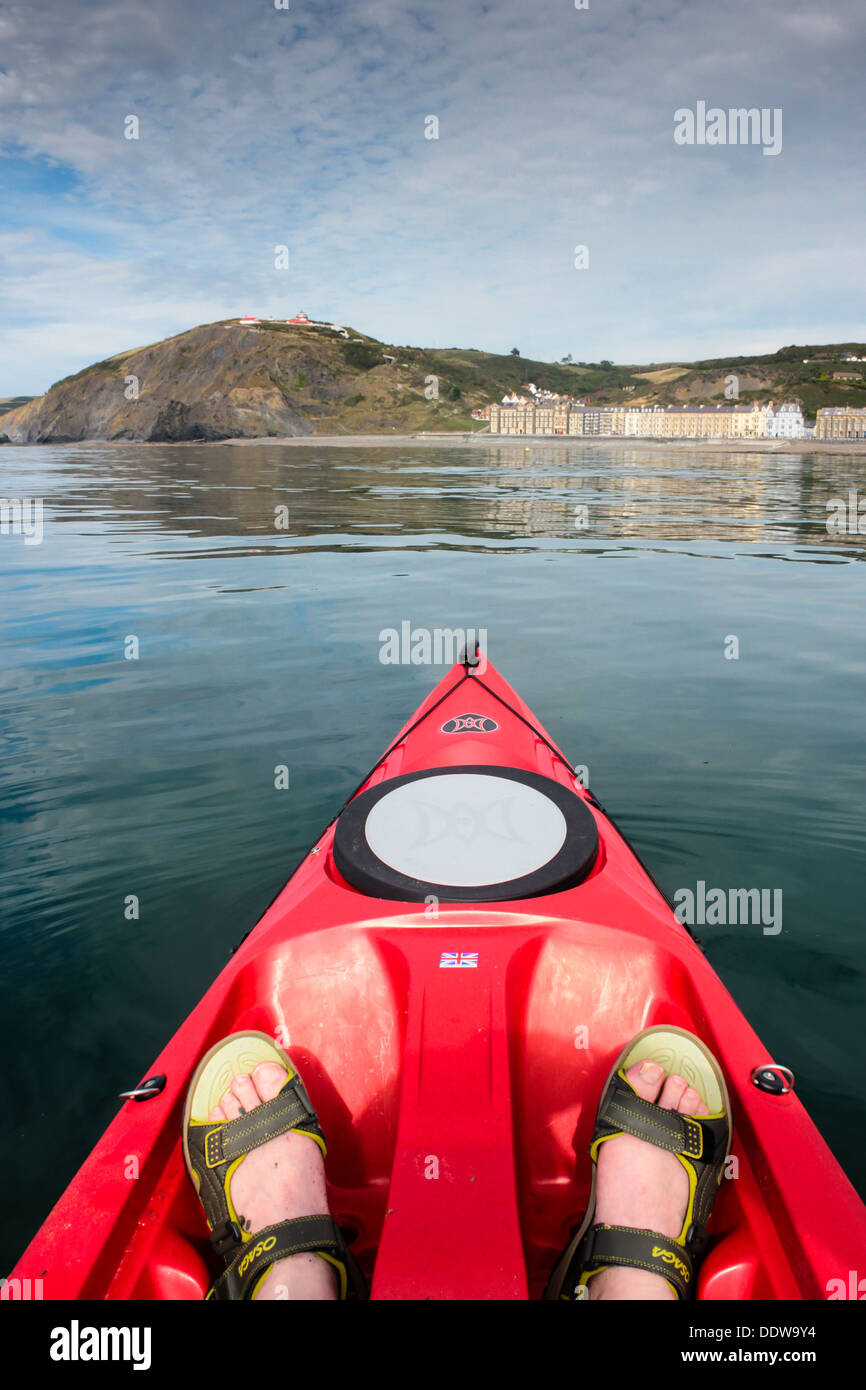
586,1246
226,1236
301,1093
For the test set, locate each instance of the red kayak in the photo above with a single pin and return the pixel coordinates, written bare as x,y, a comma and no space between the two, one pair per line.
454,967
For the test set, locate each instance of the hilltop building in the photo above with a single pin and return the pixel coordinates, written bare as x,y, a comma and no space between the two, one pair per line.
301,320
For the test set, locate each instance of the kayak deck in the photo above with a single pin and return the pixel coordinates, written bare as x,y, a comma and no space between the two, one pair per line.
455,1054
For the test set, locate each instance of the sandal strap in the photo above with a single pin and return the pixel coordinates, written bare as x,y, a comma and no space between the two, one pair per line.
213,1146
694,1137
603,1246
231,1139
318,1234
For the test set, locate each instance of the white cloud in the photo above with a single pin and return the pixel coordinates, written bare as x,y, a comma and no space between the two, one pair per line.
306,127
815,25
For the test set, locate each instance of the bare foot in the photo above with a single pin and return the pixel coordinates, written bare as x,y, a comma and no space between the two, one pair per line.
281,1179
640,1185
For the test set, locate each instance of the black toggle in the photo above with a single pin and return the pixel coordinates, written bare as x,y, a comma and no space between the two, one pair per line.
225,1237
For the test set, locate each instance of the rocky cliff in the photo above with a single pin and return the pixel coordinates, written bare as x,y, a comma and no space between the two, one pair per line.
228,380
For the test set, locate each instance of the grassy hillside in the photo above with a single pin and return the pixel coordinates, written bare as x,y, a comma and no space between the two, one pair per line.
12,402
782,375
226,380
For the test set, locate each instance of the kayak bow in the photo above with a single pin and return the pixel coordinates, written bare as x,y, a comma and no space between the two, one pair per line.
454,967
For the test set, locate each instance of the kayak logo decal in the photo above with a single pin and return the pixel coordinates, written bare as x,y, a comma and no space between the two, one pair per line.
425,823
477,723
458,960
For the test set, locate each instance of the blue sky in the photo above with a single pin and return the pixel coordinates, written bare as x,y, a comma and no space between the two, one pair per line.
262,127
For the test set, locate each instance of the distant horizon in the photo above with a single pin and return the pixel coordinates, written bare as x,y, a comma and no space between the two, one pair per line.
586,181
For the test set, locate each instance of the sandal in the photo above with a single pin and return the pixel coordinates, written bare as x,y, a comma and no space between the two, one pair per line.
700,1142
212,1151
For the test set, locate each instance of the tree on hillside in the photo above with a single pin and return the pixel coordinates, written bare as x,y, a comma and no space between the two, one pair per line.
515,352
567,357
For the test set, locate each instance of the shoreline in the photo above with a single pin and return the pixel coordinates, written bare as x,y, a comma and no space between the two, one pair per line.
478,440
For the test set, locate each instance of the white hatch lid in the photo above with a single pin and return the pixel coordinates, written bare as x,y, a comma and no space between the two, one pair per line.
465,829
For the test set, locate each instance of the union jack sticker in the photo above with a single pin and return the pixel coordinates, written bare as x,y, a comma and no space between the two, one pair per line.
458,960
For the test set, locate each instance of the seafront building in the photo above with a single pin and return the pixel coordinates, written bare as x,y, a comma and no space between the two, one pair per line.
603,420
787,422
516,416
698,422
525,417
551,419
841,422
512,417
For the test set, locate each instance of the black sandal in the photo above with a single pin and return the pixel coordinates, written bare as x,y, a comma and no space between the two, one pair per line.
213,1150
700,1142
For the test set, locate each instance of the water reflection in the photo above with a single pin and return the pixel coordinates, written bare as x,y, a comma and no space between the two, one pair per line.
499,496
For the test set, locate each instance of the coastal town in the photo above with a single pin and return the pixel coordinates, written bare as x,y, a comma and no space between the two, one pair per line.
536,411
545,413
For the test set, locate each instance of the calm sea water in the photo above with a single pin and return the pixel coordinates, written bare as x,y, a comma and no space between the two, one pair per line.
154,776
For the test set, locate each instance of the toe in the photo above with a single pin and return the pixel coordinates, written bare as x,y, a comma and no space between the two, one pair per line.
689,1101
646,1078
672,1092
269,1079
231,1106
243,1090
217,1113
